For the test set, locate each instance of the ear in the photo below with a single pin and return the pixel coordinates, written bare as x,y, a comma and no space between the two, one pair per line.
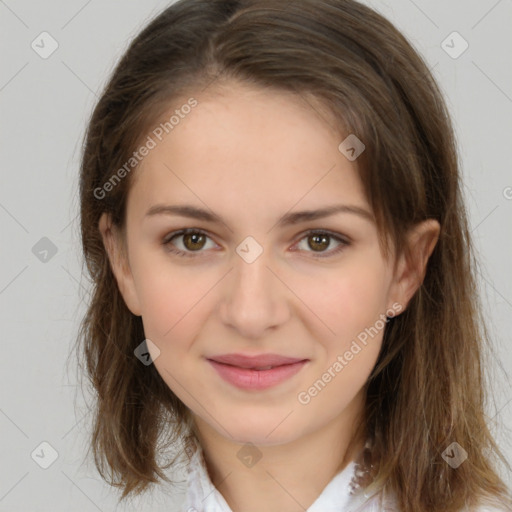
117,255
411,266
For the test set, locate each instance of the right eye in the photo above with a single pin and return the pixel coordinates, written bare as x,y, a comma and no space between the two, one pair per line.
192,241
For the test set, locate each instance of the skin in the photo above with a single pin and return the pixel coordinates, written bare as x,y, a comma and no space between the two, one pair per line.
250,156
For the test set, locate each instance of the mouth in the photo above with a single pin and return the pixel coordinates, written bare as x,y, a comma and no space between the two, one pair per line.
256,372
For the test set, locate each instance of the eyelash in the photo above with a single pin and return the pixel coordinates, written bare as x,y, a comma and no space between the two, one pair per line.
193,254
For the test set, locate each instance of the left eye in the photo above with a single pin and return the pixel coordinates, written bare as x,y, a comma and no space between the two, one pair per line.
193,241
320,240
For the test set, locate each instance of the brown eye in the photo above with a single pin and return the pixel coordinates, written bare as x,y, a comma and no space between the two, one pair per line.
187,242
193,241
318,242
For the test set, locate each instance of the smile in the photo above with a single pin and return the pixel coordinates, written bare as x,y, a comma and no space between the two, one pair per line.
257,378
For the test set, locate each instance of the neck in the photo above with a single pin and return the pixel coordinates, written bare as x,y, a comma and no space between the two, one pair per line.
287,476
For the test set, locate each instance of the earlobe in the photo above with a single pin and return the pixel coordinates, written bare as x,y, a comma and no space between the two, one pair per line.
412,267
119,263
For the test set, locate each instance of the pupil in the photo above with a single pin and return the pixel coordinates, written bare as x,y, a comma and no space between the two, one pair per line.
194,237
323,239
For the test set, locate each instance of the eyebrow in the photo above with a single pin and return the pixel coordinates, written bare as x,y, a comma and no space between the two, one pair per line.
286,220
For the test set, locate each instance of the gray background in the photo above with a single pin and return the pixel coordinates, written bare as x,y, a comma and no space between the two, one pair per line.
44,107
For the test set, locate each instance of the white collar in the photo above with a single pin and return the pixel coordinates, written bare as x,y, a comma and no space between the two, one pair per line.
339,494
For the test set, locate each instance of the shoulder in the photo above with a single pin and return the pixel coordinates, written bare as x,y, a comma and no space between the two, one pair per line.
490,508
489,504
387,502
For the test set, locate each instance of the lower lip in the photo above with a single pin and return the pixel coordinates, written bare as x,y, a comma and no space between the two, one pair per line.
246,378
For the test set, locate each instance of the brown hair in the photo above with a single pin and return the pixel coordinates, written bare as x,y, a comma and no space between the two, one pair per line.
427,389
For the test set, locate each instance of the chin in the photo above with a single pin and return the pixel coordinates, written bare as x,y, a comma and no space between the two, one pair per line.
261,430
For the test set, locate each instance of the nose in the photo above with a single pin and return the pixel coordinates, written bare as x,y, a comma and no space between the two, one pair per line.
255,299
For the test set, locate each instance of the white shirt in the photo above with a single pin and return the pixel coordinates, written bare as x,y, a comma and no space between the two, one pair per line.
340,494
337,496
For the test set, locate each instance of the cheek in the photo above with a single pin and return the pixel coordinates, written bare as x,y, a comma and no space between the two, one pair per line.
170,298
173,315
351,305
353,300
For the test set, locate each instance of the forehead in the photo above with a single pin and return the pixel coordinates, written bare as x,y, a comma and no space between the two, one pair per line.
246,146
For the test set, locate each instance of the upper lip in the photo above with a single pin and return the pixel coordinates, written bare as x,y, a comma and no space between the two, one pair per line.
258,361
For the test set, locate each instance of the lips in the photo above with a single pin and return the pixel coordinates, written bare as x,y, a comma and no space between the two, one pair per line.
261,362
256,372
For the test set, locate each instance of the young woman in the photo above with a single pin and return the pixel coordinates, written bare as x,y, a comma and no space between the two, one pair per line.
283,279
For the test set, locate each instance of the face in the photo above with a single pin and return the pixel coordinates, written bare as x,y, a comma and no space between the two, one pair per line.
253,277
